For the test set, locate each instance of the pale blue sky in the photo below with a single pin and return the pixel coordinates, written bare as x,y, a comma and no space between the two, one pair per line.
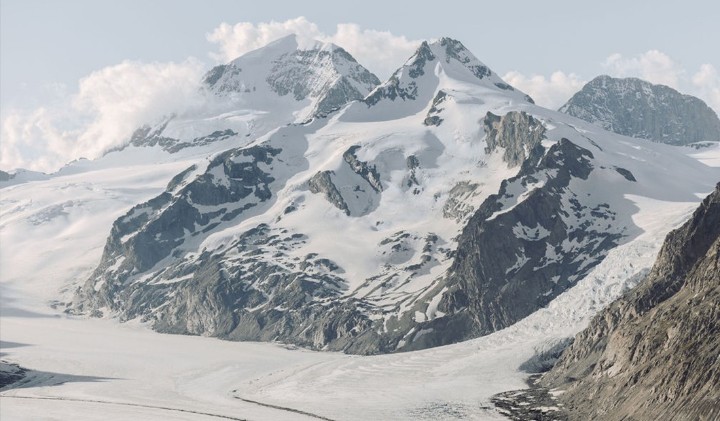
49,41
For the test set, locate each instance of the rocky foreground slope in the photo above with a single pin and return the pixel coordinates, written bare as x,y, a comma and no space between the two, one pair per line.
634,107
655,353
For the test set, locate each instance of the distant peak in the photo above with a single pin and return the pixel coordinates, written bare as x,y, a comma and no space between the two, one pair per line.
659,112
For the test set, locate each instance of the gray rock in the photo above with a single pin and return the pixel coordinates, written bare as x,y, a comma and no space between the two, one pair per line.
322,183
329,77
517,133
367,172
456,206
4,176
10,374
361,189
653,354
301,79
157,229
633,107
433,116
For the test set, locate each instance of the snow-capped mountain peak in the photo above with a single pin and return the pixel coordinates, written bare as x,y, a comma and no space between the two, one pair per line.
287,81
437,68
310,77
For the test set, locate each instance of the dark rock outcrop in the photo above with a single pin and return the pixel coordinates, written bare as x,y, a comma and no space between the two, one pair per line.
321,183
361,188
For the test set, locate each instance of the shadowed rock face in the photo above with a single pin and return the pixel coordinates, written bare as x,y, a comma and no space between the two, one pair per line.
653,354
633,107
513,256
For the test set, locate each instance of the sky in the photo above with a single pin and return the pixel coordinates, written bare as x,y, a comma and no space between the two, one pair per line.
77,76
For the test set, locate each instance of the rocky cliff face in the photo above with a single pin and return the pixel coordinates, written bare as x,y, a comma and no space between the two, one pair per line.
653,354
633,107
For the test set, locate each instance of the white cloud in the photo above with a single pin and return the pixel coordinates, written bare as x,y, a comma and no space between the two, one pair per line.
381,51
236,40
706,83
108,106
550,92
653,66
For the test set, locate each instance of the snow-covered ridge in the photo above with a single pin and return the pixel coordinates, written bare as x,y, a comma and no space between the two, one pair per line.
313,79
357,230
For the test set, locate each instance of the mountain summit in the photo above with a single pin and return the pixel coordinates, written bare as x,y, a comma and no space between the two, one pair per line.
432,65
281,83
320,78
636,108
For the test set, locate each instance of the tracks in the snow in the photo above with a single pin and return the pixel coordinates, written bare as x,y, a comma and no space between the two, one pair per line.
167,408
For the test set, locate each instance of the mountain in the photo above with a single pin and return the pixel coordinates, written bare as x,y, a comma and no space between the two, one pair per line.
321,78
633,107
653,353
78,203
280,83
443,206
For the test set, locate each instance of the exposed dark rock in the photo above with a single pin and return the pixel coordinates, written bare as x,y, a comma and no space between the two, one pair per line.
392,90
625,173
10,373
367,172
505,86
325,75
300,79
433,118
216,73
153,230
412,164
533,403
456,50
322,183
456,206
